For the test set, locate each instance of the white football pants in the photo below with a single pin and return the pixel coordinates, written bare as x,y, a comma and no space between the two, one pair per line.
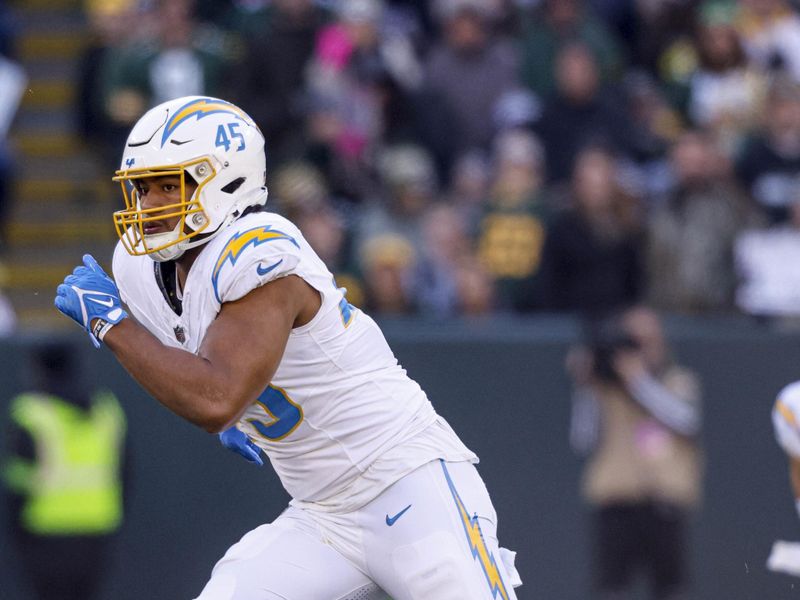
432,535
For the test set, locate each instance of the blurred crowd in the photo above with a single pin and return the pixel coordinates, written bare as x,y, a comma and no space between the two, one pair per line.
462,157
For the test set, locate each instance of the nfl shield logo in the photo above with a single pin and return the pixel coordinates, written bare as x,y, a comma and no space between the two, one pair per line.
180,335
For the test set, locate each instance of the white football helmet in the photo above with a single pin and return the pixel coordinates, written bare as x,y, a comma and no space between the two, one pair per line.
212,141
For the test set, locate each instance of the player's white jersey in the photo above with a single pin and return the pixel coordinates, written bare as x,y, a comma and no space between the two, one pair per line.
786,419
341,420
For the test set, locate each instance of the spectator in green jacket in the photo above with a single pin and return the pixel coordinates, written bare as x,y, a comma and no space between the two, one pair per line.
183,58
559,23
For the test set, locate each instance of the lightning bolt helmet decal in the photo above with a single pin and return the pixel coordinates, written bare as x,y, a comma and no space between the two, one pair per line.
200,108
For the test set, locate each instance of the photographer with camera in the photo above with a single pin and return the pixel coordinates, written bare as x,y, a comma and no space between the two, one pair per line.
636,414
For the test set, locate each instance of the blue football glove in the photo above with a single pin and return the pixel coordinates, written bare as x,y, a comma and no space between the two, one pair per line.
87,294
238,442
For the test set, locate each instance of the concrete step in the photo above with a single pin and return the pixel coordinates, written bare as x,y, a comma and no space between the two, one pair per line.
53,18
47,191
31,233
45,145
38,276
55,254
45,213
77,167
35,310
41,122
45,319
47,6
30,285
30,282
63,202
59,68
46,94
50,44
35,275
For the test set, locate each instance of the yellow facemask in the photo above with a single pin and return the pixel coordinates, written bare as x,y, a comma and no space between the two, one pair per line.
131,221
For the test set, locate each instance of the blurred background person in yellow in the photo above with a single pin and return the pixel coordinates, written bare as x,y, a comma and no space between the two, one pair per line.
63,471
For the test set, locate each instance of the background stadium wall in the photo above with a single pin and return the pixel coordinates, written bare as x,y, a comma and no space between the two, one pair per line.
502,386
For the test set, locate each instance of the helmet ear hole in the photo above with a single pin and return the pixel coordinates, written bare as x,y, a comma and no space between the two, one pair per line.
233,185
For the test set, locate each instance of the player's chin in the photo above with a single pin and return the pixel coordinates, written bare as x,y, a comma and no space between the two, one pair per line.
155,229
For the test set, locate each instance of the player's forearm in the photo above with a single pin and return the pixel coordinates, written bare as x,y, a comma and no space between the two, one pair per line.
189,385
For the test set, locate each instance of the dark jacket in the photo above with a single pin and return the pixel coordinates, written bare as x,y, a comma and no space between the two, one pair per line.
581,271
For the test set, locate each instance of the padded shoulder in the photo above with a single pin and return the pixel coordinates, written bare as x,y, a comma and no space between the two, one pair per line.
253,252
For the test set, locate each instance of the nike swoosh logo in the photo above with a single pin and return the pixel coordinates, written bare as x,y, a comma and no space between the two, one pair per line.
177,143
263,271
391,520
107,303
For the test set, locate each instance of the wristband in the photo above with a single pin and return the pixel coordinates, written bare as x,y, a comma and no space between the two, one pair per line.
100,328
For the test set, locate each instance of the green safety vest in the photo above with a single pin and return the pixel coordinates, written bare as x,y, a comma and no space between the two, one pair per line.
74,486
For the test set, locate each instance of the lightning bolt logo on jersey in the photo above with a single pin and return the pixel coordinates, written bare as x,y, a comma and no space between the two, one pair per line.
201,108
239,243
477,544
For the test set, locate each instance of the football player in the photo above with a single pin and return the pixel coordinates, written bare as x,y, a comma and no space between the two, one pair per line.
785,556
224,314
786,421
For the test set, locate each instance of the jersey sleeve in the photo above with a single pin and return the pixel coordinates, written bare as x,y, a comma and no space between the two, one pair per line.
251,258
786,419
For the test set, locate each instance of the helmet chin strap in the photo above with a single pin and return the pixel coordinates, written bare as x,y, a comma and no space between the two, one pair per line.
167,254
171,252
176,249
